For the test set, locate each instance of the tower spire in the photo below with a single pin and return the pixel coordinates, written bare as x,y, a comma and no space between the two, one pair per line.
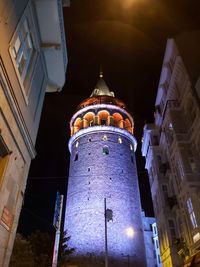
101,72
101,87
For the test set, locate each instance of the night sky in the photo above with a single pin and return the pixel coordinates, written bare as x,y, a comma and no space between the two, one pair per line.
127,38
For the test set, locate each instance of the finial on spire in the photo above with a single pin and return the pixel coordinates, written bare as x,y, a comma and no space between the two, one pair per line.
101,72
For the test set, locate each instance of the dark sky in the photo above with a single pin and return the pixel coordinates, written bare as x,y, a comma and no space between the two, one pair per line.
127,38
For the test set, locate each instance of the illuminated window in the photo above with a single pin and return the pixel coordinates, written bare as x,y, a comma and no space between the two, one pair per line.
77,143
105,150
191,213
131,147
105,138
196,237
170,126
119,140
4,156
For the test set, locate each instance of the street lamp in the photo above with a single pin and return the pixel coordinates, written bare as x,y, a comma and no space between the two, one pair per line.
129,232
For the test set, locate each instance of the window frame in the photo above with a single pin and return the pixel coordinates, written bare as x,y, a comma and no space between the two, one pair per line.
105,150
191,213
25,78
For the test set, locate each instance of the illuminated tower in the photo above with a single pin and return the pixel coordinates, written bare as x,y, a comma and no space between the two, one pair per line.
103,166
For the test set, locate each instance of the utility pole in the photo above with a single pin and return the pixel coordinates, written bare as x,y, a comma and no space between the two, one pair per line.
57,224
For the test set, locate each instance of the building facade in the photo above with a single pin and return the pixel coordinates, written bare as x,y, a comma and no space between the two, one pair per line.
103,210
32,36
151,241
171,146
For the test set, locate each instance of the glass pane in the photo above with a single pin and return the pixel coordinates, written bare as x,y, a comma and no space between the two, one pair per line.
17,45
28,45
24,30
22,63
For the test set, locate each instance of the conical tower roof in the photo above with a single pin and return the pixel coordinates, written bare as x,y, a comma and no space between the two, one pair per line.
101,88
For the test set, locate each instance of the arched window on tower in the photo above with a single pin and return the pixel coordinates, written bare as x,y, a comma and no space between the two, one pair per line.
105,138
103,117
128,125
118,120
105,150
77,125
76,156
88,119
119,140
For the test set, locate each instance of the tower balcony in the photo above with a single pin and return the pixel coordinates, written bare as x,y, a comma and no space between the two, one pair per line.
101,115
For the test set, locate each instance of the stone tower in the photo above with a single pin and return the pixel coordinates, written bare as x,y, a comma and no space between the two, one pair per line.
103,171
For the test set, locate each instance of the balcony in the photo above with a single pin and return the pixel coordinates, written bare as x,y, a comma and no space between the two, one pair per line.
52,33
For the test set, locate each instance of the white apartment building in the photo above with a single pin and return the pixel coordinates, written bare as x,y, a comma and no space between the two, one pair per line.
171,146
33,60
151,241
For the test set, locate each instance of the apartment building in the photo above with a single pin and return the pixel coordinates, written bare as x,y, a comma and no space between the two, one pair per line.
151,241
33,60
171,146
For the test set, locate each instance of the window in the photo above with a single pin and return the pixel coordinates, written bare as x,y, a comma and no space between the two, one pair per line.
23,51
131,147
77,144
76,156
170,126
105,150
132,159
105,138
157,246
191,161
159,261
4,153
154,230
172,228
119,140
191,213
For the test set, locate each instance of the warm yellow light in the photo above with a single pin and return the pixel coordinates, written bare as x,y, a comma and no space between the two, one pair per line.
128,3
130,232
